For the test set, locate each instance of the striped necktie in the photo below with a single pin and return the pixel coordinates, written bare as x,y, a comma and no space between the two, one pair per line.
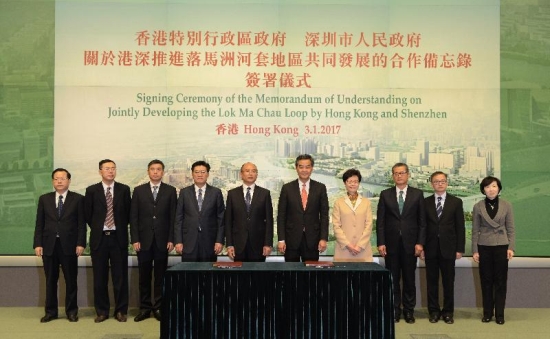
439,208
110,219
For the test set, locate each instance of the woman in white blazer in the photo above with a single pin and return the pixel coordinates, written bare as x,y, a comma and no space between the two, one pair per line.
493,241
352,222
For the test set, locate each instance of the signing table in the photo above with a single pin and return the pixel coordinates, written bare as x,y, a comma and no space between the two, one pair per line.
277,300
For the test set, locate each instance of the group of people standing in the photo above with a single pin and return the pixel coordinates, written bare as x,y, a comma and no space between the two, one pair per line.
198,224
432,228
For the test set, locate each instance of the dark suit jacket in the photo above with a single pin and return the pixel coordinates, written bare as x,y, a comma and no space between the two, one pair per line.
292,219
150,218
449,229
71,226
256,226
410,225
189,219
95,207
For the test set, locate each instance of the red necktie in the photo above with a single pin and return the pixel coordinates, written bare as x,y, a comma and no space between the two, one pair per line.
304,196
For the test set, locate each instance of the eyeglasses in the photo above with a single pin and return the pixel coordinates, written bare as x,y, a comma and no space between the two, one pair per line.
351,182
399,173
199,172
439,182
109,168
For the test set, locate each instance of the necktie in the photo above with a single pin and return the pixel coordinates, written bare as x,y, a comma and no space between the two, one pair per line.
247,199
304,196
199,198
60,206
109,220
155,192
439,208
401,202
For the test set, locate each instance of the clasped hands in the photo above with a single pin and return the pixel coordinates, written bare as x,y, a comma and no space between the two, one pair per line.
418,249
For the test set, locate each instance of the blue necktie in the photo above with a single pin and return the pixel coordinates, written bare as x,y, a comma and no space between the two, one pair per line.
248,199
60,206
199,199
439,208
401,202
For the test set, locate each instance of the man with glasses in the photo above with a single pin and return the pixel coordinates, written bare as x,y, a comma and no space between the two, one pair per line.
107,210
445,237
401,233
199,225
59,239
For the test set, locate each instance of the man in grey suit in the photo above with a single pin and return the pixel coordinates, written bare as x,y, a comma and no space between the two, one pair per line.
152,235
401,233
60,238
302,217
445,238
199,225
249,219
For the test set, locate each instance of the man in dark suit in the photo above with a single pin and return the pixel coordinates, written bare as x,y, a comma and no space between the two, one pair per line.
199,225
60,238
249,219
152,235
445,240
302,217
107,208
401,233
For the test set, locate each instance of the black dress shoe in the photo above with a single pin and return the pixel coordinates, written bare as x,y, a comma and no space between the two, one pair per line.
121,317
409,318
434,317
142,316
486,319
448,319
500,321
397,317
48,318
100,318
157,315
72,318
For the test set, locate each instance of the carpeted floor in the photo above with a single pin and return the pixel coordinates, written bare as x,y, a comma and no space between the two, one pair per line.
24,323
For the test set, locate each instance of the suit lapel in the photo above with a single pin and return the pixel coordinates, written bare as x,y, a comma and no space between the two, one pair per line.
431,207
393,200
66,203
101,193
312,187
50,200
257,196
241,198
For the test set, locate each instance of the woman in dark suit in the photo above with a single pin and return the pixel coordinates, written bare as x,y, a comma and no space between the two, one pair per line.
493,241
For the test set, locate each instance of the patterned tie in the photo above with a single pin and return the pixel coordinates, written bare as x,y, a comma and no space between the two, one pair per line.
110,219
60,206
247,199
155,192
439,208
199,199
304,196
401,202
